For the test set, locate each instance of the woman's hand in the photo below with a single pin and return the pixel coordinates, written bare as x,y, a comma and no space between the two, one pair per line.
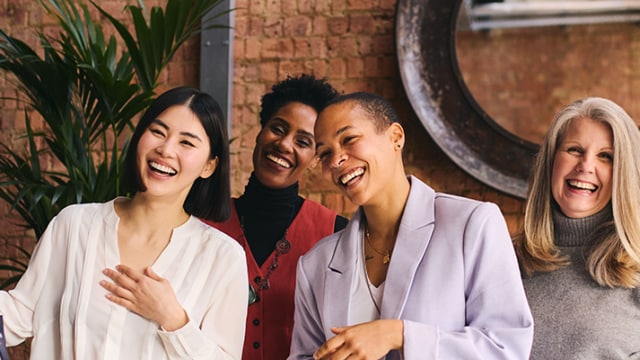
146,294
367,341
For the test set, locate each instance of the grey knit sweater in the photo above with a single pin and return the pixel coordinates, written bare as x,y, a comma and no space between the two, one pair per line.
574,317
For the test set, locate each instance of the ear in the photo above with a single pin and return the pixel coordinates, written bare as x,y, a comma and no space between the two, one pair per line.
209,168
396,135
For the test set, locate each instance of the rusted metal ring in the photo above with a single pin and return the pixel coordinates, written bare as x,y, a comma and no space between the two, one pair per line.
425,41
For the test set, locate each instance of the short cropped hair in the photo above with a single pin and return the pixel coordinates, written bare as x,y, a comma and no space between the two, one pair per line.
305,89
209,198
375,108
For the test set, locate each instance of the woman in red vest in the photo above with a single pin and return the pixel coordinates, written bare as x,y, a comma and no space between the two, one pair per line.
273,223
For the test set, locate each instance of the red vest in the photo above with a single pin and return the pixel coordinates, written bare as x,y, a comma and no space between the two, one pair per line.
270,319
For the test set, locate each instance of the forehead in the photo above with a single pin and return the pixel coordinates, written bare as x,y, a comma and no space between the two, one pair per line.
590,130
338,116
180,117
297,115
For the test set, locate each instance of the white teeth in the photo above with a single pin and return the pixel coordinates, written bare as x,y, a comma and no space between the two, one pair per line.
165,169
582,185
344,179
280,161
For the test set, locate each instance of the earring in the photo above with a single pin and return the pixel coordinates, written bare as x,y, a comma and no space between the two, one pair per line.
398,146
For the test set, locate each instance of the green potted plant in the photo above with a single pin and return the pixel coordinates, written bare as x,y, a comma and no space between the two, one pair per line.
88,92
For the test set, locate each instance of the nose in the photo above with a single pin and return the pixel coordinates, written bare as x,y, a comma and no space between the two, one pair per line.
586,164
285,144
165,149
337,160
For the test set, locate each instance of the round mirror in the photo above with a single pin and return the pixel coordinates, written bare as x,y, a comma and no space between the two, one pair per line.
425,40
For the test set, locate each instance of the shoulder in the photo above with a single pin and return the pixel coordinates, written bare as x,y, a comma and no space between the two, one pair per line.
453,203
322,251
83,212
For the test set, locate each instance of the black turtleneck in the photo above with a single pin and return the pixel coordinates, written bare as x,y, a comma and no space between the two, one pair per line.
265,215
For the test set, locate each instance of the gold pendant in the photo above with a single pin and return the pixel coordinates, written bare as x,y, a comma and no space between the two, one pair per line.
386,258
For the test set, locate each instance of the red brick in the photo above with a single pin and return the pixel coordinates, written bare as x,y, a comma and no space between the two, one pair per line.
362,4
338,25
361,24
290,7
256,26
273,7
337,69
318,47
301,48
269,71
297,26
252,47
273,27
320,26
355,68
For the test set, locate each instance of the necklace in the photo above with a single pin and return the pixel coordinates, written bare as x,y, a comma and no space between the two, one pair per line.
366,279
282,247
386,255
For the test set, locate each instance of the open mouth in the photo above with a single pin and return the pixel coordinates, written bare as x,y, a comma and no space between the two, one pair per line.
280,161
350,177
581,185
162,169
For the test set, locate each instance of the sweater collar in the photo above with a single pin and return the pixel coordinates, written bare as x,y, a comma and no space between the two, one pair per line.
577,231
259,198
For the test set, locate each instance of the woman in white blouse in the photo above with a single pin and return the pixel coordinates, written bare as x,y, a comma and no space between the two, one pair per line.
142,277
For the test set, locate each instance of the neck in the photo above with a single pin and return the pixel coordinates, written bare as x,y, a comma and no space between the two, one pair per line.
149,215
384,215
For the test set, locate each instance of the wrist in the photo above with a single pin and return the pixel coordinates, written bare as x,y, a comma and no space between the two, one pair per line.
176,322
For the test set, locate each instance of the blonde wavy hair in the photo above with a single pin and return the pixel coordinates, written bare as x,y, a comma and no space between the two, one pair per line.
614,258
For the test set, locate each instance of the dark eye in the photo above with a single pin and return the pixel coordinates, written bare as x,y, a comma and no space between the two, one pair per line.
187,143
574,150
304,142
156,131
278,129
606,156
348,139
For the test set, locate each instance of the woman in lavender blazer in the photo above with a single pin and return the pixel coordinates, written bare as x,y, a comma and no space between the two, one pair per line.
415,274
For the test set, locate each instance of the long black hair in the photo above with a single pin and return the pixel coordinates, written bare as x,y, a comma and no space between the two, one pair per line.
209,198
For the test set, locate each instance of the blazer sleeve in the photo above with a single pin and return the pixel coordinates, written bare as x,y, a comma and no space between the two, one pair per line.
499,324
307,325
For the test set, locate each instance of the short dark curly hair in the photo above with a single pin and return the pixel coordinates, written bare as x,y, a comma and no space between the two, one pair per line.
305,88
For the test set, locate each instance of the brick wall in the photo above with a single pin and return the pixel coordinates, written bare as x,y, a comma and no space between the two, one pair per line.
522,77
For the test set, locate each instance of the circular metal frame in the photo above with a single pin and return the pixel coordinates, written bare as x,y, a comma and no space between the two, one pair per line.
425,41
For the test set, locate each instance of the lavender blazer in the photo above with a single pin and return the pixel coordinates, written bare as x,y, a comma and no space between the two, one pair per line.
453,279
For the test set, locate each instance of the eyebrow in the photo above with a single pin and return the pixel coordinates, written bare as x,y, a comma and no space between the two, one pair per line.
338,132
286,123
183,133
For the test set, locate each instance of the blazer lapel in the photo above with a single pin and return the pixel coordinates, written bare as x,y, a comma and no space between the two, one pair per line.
414,234
340,276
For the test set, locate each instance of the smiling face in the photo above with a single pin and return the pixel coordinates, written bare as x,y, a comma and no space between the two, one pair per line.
358,158
285,147
173,152
581,180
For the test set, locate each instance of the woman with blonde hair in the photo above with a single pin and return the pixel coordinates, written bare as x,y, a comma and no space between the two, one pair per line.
580,246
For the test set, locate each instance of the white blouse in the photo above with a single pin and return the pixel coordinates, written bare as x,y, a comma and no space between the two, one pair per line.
60,303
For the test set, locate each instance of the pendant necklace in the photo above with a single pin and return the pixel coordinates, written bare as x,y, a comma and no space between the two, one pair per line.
386,255
366,279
